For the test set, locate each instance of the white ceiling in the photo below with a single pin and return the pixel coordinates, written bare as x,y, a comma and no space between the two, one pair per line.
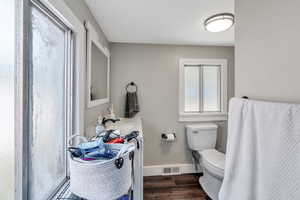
161,21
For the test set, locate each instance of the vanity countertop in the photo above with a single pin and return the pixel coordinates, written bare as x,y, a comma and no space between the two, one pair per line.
127,125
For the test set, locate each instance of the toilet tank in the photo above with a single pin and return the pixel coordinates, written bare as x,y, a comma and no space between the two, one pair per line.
201,136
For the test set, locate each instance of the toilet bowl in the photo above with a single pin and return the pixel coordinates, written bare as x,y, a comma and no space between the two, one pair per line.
213,163
202,140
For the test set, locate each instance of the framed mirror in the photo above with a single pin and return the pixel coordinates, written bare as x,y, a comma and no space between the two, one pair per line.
98,69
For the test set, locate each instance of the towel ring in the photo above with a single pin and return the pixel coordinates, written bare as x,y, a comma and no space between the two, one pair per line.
131,84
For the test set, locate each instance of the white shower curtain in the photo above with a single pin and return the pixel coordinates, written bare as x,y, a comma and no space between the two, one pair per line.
263,151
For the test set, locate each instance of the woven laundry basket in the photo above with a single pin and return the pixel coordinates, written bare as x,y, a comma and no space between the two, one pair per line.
102,180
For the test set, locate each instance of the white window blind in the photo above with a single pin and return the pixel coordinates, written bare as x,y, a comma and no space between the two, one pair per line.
201,88
192,88
211,88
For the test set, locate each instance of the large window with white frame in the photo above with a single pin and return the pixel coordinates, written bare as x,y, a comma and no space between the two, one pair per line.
203,90
50,101
49,96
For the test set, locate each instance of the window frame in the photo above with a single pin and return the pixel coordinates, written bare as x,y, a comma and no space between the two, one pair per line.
203,116
68,84
22,19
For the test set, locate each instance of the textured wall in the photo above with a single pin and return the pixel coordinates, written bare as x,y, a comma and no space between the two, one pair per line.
155,69
267,49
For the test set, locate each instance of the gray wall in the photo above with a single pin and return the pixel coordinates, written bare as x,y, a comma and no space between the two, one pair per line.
155,70
83,13
267,49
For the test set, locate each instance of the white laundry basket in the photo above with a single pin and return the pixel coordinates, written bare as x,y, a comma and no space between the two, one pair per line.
102,180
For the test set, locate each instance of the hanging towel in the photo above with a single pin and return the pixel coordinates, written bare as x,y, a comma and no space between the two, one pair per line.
132,105
263,151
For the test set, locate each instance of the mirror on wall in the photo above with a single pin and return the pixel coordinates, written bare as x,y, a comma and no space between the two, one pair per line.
97,69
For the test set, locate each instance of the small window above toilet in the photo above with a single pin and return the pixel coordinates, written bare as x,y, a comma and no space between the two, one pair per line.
203,90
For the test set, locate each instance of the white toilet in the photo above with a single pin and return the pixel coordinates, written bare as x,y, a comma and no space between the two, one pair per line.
202,140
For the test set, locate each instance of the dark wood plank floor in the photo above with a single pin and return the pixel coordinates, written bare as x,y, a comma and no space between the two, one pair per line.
179,187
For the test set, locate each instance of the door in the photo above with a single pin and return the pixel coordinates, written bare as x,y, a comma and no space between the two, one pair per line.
50,102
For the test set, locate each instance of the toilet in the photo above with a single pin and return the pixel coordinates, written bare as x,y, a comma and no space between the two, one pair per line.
202,140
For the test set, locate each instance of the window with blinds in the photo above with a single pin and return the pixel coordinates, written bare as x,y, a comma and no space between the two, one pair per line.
203,87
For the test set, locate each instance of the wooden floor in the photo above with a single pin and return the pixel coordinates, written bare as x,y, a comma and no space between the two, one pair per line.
181,187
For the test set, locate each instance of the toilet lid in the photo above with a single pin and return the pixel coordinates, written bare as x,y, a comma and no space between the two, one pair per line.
213,161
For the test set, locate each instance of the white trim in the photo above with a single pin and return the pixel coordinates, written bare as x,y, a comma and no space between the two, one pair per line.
92,37
204,117
157,170
207,116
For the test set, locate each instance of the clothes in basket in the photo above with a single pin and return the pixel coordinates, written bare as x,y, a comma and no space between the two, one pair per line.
103,179
94,150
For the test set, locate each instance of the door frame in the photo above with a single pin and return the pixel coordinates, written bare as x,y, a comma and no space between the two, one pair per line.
22,64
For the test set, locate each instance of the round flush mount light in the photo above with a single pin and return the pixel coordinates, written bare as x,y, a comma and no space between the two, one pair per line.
220,22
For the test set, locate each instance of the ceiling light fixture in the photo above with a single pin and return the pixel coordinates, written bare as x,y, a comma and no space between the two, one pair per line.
220,22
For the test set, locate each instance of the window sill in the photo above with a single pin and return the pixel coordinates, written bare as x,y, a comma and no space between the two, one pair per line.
204,117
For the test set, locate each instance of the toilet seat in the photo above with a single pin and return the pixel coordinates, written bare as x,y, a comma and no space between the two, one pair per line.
213,161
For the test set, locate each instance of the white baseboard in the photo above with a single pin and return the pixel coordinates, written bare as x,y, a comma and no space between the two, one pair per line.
157,170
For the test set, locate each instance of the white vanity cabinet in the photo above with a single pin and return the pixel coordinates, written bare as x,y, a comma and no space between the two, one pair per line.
126,126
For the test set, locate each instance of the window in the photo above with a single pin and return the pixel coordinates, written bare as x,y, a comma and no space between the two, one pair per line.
49,96
203,90
50,113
